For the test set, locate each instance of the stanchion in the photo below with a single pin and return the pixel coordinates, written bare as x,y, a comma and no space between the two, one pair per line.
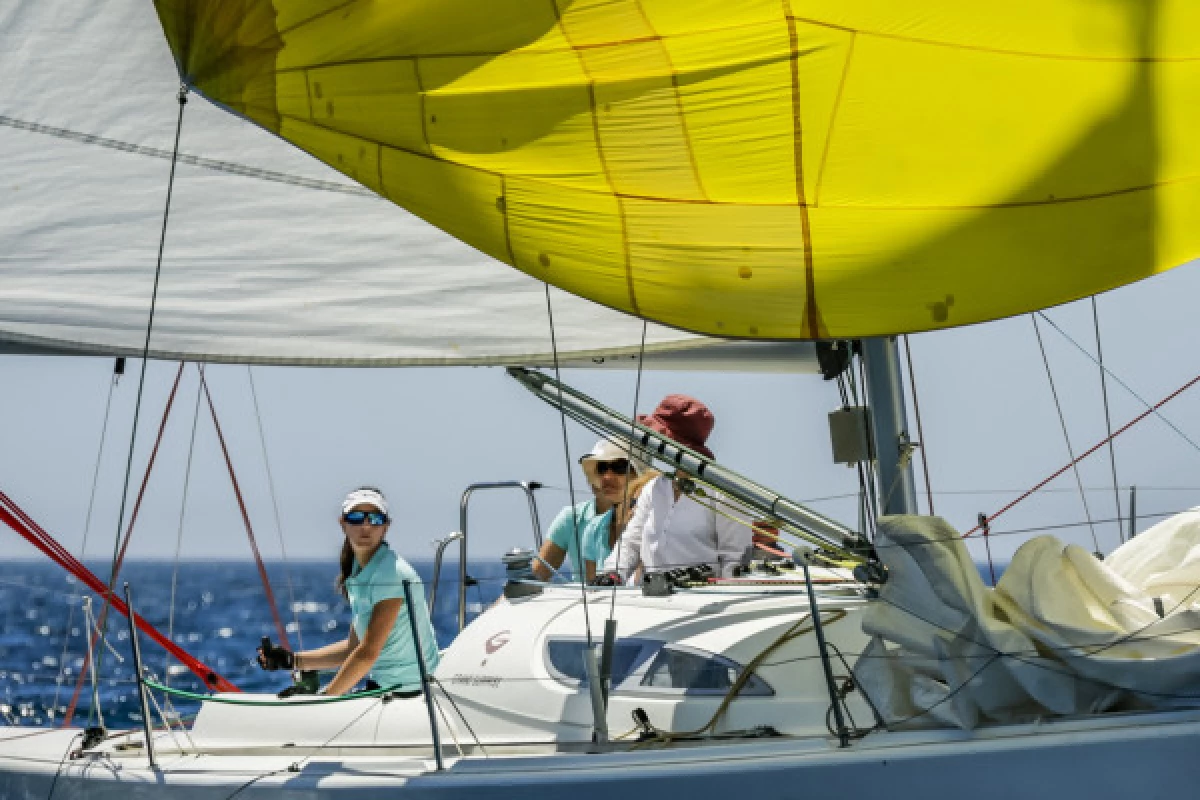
137,668
416,635
819,630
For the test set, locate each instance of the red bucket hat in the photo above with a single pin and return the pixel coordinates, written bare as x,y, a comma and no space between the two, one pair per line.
684,419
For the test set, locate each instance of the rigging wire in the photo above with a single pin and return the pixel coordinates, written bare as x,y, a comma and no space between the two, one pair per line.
866,477
1062,421
123,542
1112,456
461,716
187,477
1153,409
912,386
637,393
1149,408
287,567
87,527
562,414
137,408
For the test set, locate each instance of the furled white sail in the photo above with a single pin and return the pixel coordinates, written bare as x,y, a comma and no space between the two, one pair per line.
1062,633
270,256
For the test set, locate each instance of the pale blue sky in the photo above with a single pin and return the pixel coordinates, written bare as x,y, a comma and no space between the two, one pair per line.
424,434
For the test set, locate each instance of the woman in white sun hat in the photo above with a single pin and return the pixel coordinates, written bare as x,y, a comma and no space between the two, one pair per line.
372,578
587,530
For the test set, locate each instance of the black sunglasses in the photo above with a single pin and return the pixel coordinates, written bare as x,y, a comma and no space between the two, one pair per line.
365,518
618,467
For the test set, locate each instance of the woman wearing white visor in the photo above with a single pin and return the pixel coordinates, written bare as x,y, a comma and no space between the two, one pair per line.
587,530
381,641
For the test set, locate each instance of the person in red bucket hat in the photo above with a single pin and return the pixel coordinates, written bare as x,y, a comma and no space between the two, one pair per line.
669,529
684,419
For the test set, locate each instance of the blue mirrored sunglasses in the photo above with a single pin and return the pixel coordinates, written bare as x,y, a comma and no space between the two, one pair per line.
365,518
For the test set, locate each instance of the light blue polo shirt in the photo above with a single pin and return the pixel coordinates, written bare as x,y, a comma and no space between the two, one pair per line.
593,533
382,579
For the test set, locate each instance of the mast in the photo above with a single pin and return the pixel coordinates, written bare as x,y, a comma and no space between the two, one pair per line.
889,426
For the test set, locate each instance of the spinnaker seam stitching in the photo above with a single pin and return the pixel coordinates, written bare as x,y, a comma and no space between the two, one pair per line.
309,20
801,202
533,50
810,305
837,105
995,50
675,90
608,178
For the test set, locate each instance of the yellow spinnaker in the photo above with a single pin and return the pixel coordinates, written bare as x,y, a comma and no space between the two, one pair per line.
749,168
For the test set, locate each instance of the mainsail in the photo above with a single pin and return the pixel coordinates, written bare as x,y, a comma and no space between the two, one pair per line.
271,256
776,169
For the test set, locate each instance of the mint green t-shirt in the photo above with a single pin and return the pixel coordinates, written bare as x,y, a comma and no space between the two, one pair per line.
593,534
383,579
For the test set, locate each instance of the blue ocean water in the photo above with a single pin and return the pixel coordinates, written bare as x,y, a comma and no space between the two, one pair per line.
220,615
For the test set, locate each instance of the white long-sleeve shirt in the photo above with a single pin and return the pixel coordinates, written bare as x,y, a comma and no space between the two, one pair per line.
664,534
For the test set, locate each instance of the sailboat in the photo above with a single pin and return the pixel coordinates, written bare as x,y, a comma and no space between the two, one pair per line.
794,171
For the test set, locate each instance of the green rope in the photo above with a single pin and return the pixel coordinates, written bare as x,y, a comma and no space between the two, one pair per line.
234,701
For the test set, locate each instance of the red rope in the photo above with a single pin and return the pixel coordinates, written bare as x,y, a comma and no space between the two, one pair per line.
237,491
1091,450
12,515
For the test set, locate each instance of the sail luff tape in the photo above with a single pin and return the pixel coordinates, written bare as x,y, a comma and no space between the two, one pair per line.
579,406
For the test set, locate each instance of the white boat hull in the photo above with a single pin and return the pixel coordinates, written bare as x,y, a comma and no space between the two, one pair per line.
530,726
1122,756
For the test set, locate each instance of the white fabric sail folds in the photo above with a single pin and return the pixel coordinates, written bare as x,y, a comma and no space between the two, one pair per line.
1062,632
270,256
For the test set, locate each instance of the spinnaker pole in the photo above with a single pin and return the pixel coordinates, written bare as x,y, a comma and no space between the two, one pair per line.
816,528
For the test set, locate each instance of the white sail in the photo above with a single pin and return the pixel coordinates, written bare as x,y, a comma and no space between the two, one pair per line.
270,256
1062,633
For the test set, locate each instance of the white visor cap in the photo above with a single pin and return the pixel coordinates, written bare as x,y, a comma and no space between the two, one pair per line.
372,497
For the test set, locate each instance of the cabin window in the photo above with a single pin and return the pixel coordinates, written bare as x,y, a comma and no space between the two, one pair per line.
565,657
653,667
697,672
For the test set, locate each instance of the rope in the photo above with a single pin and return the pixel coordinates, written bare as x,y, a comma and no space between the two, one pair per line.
287,567
119,554
587,623
1095,447
912,385
1112,456
12,515
87,527
61,762
796,630
315,700
187,477
280,628
1062,421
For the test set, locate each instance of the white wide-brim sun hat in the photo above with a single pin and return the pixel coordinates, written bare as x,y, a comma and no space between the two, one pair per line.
605,450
